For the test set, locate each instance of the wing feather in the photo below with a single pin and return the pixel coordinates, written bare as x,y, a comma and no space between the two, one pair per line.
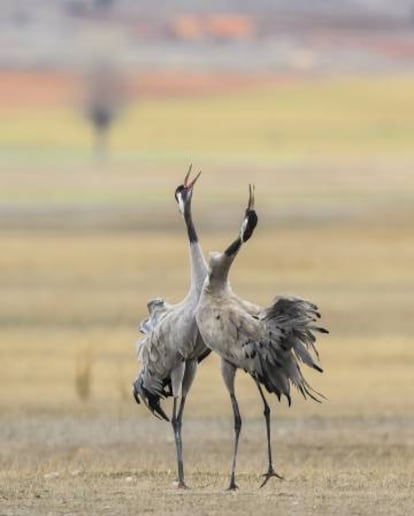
270,346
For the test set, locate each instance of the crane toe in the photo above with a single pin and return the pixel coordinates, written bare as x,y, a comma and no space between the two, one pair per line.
271,473
179,484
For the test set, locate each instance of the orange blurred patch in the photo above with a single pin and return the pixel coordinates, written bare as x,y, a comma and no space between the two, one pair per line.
27,88
52,88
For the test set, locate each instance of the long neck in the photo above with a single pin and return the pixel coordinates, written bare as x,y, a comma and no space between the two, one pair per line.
233,249
218,278
222,273
198,265
246,231
191,231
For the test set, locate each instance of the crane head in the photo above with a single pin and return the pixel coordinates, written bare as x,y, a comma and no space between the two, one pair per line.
184,192
250,218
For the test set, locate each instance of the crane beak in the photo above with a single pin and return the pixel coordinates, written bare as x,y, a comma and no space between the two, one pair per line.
189,185
250,205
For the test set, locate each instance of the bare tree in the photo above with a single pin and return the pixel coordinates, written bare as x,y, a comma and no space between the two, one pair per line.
105,97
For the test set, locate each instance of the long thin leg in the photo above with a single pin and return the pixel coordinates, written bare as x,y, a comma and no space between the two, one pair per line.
229,371
182,379
237,428
266,412
176,422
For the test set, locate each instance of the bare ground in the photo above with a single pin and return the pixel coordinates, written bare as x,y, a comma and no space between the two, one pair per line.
125,465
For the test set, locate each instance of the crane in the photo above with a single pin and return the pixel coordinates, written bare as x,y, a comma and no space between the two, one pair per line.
267,343
172,346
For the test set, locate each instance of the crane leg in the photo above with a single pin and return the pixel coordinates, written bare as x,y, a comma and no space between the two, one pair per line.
176,422
266,412
228,372
237,427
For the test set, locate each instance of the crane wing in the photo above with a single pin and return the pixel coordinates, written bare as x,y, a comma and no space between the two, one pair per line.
271,345
157,307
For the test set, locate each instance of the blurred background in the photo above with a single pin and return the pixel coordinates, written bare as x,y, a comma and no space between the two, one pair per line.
103,106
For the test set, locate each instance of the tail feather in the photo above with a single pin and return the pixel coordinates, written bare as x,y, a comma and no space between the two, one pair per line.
301,384
291,325
308,391
319,329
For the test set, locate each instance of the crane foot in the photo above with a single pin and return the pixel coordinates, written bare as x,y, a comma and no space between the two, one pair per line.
271,473
180,484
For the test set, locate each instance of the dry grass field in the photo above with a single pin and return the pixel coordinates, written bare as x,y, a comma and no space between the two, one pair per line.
84,247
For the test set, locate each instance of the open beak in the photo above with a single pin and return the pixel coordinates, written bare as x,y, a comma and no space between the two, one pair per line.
250,205
189,185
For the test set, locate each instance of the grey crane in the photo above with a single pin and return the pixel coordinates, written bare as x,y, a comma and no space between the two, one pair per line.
172,346
268,343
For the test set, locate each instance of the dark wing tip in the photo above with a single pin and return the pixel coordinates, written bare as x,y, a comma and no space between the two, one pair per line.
136,397
158,413
136,393
152,401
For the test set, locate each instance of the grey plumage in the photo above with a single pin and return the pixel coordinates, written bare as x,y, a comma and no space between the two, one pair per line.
172,346
268,343
156,308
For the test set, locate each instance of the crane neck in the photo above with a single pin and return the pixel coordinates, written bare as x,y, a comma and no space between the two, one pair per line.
198,265
218,274
220,263
233,249
191,231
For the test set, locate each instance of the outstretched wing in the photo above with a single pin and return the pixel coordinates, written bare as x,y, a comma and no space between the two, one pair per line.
271,345
293,319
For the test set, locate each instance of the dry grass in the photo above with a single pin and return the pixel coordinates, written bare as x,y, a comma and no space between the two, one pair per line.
67,293
106,240
117,465
83,373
